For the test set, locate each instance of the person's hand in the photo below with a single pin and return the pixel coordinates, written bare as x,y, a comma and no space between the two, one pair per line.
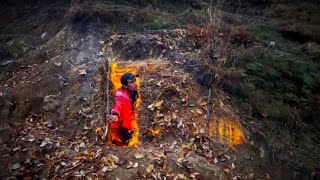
111,118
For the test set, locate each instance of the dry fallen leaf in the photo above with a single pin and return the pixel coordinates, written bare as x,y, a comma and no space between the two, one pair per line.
226,170
149,168
57,168
59,154
76,85
155,132
47,156
86,127
44,143
82,71
207,154
16,149
180,176
31,140
151,107
159,83
150,53
187,146
179,162
221,104
15,166
174,115
99,132
104,169
177,88
135,164
130,165
199,111
158,104
180,124
76,148
114,158
83,145
57,64
268,176
194,175
138,156
98,153
86,109
203,103
155,105
191,166
158,114
251,176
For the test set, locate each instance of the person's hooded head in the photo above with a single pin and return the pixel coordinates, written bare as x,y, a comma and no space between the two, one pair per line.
128,81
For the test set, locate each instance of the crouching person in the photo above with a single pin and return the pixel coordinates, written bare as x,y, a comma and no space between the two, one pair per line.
122,113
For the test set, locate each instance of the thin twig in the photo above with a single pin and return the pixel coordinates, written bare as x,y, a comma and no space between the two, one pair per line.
208,110
73,167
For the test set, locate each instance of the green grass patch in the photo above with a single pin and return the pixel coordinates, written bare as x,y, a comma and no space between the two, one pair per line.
278,86
161,20
267,33
197,17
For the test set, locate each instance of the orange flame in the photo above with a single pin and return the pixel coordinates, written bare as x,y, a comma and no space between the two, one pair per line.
115,75
226,130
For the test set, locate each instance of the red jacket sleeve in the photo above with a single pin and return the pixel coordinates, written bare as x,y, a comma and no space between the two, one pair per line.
117,106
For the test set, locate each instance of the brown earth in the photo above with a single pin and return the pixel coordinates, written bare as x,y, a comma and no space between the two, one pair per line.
51,99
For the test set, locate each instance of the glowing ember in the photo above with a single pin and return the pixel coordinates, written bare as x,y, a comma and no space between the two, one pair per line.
115,75
227,130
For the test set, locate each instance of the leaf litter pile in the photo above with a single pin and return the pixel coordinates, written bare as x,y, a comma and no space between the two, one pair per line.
173,143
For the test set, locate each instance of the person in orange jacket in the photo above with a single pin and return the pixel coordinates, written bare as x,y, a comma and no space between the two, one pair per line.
122,113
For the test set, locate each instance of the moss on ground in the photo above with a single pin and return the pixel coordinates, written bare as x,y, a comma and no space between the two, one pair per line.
280,84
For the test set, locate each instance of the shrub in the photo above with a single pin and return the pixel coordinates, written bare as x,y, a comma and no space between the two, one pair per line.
280,10
242,36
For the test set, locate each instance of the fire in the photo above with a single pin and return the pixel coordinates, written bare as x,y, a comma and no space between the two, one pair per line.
116,71
227,130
